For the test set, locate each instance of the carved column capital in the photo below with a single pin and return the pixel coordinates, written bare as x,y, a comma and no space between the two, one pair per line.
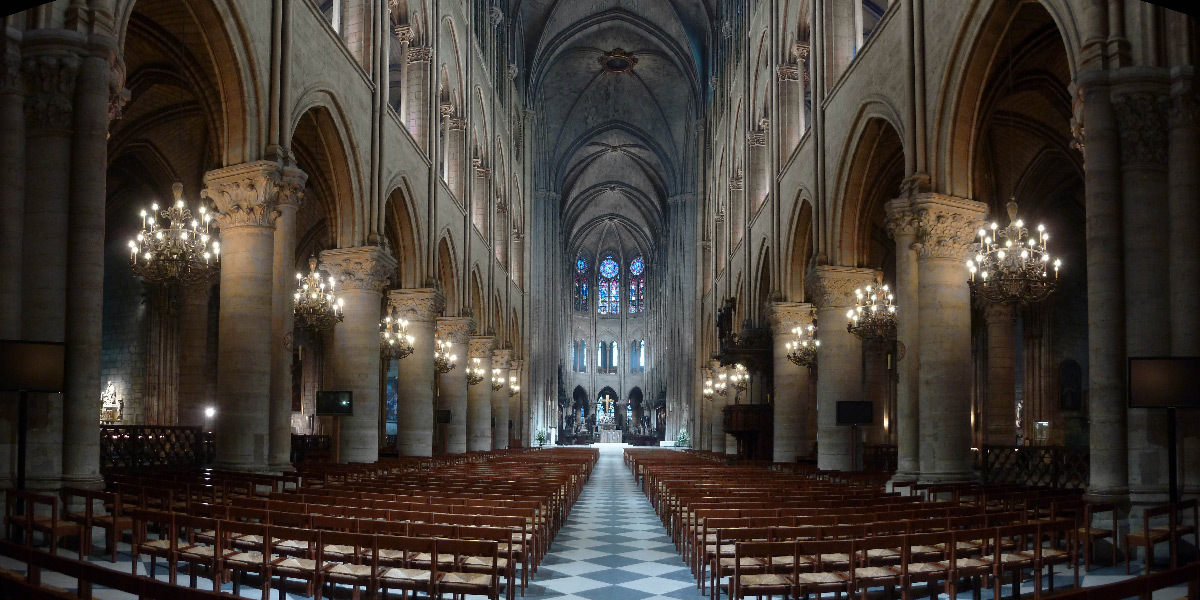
50,90
247,195
901,219
757,138
789,73
736,183
786,316
834,285
502,358
800,51
420,54
456,123
420,304
946,225
404,33
1185,109
10,78
456,330
118,94
1142,120
361,268
481,347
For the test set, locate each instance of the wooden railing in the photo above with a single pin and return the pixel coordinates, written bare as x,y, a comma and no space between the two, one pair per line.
124,446
1050,466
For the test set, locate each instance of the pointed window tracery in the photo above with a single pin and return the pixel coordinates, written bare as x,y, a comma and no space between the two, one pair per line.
637,285
609,298
581,284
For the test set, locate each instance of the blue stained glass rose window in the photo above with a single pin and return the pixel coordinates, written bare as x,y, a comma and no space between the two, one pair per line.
637,266
609,268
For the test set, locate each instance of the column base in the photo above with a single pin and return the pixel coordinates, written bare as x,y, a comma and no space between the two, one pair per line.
243,467
91,481
902,477
949,477
281,467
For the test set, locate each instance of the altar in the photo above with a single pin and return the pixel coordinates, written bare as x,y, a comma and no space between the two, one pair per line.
610,436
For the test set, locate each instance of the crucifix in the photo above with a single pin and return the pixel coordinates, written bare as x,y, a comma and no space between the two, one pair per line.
608,407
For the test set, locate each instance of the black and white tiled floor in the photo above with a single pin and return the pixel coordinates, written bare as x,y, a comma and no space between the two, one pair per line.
612,547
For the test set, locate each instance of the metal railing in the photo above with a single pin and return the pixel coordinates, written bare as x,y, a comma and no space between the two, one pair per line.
146,445
1051,466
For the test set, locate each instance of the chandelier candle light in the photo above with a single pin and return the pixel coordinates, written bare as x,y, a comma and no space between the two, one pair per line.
740,378
874,314
475,373
497,380
803,351
317,307
177,249
513,388
443,361
394,339
722,384
1015,270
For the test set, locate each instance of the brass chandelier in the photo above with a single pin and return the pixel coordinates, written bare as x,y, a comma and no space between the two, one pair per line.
803,351
874,314
475,373
513,387
394,339
173,248
443,360
497,380
1012,265
317,308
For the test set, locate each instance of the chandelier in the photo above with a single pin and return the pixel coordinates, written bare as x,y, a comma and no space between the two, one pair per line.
722,385
740,378
317,308
1015,271
803,351
708,388
497,380
177,249
475,373
874,315
513,388
443,361
394,339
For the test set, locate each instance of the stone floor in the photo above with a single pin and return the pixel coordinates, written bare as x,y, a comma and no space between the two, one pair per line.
612,547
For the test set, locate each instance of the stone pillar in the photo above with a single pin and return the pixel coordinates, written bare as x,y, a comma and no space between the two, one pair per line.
839,358
480,194
999,412
416,95
1108,480
353,354
737,207
500,236
85,267
791,383
760,168
518,258
502,360
12,189
946,231
404,34
245,196
902,227
283,319
876,389
456,157
516,407
414,415
479,396
1184,197
452,385
791,111
1142,119
716,421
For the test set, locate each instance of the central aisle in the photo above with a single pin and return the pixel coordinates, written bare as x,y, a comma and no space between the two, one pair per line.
613,546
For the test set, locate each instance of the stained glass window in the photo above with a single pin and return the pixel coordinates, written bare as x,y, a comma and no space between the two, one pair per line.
637,356
637,286
609,299
581,284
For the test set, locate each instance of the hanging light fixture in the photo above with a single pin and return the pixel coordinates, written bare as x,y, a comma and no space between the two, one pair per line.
740,378
443,360
874,314
173,248
475,373
317,308
394,339
1012,266
803,351
513,388
497,380
708,388
722,384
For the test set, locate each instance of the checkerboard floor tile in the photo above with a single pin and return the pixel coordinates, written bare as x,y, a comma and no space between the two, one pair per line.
612,547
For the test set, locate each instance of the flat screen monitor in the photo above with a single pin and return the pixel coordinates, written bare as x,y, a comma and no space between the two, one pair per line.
855,412
1164,382
32,366
335,403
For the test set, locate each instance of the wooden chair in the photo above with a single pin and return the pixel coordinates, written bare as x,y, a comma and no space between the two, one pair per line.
772,572
244,556
1056,544
502,537
721,555
200,547
1013,554
1088,534
831,566
869,562
296,556
397,572
921,561
352,561
39,515
484,581
1149,536
972,556
163,546
1179,526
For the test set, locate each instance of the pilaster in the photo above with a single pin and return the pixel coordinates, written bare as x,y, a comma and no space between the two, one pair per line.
452,385
792,397
421,307
479,396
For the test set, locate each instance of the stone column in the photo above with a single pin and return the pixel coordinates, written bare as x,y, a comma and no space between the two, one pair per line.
1108,480
416,95
1141,113
452,385
1000,407
85,267
947,227
245,196
353,354
404,34
12,188
791,383
516,406
283,266
479,396
500,236
456,157
902,227
791,110
760,169
839,358
502,360
1184,197
716,421
480,193
518,258
737,207
414,415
